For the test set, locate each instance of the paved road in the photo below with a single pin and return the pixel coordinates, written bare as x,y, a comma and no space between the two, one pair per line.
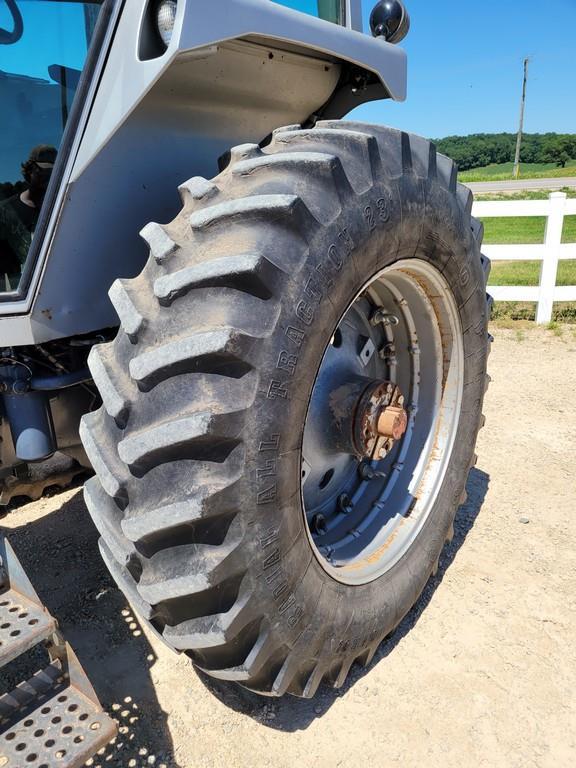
521,184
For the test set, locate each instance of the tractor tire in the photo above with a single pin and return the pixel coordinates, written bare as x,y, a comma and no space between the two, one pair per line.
211,446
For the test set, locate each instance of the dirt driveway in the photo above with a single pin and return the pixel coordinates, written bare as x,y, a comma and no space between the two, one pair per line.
481,673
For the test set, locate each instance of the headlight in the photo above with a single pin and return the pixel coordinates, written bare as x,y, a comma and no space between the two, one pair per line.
165,16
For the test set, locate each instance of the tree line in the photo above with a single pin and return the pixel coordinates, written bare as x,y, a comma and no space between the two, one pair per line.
480,149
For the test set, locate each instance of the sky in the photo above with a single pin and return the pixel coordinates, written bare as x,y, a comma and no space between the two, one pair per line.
465,68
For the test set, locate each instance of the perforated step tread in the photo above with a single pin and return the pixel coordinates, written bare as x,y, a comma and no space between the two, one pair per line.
23,624
53,724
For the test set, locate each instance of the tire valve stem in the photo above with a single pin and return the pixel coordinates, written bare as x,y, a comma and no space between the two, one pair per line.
345,503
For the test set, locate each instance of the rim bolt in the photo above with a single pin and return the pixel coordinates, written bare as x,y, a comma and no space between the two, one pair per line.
388,350
366,471
344,503
328,553
318,524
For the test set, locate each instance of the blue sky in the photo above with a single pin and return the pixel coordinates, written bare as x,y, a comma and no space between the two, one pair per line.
465,67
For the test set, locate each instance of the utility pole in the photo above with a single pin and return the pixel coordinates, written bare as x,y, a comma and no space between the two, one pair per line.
521,126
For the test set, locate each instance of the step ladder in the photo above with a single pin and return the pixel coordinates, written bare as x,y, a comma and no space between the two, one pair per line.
54,718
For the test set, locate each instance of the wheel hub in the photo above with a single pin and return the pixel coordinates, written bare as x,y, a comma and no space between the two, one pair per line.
381,421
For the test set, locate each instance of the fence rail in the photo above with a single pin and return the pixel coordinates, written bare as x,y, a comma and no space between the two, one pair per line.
555,208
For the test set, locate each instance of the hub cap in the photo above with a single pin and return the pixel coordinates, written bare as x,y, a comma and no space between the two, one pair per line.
381,421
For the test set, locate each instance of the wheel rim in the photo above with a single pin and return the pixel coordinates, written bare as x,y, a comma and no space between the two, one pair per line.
396,350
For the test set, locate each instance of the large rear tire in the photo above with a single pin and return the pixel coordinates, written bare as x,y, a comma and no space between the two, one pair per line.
201,493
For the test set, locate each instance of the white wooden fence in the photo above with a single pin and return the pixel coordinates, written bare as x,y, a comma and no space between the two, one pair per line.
547,292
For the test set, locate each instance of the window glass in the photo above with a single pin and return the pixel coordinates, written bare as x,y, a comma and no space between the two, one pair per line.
330,10
43,47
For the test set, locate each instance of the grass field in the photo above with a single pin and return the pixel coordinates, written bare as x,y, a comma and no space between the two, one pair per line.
503,172
524,230
528,272
541,194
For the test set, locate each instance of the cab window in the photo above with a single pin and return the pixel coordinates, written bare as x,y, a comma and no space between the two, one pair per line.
43,47
330,10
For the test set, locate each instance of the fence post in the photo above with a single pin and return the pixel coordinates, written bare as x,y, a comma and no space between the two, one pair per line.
549,268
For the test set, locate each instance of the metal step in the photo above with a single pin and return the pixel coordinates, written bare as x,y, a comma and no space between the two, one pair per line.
54,718
23,624
48,721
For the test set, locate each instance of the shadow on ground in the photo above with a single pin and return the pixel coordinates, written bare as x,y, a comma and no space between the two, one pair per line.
60,554
291,714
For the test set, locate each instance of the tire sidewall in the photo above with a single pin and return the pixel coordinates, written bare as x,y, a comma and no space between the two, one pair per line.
402,218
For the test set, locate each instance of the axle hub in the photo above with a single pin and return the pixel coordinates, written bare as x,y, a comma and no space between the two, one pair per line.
380,420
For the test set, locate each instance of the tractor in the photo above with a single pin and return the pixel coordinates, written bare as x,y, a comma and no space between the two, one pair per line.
278,384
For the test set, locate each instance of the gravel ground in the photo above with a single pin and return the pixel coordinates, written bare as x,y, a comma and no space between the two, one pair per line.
481,673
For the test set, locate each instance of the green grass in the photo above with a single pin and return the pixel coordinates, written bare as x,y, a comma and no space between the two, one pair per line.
521,314
503,172
524,230
528,272
541,194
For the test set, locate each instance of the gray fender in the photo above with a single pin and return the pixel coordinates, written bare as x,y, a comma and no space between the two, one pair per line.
234,71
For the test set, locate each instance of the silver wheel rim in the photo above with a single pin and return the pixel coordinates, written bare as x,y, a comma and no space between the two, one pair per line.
363,514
